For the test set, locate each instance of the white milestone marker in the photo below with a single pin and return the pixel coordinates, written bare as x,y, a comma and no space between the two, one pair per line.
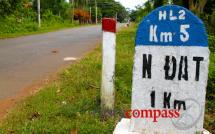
108,65
170,73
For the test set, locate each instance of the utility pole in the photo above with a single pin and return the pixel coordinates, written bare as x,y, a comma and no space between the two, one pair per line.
96,11
90,15
38,12
73,10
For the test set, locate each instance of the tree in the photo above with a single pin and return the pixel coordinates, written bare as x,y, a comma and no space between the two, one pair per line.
8,7
93,14
184,3
109,8
82,15
81,3
57,7
122,13
197,6
209,7
141,11
158,3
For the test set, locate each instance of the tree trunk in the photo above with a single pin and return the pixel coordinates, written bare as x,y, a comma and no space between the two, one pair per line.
197,6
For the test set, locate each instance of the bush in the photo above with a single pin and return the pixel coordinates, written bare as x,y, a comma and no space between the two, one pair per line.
210,105
211,77
13,24
26,21
8,7
211,41
209,21
82,15
48,19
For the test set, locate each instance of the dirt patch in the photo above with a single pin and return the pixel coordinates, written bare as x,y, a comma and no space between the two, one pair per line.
7,104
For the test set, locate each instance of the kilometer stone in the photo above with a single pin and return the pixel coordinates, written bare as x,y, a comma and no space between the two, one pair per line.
170,72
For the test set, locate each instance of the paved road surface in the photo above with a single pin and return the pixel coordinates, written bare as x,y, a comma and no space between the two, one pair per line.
25,60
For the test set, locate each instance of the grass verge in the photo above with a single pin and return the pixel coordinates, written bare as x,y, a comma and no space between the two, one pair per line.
72,103
43,29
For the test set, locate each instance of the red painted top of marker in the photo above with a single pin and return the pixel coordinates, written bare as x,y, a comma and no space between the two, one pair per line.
109,25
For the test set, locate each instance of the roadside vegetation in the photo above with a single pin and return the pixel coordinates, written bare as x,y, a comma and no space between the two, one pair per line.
210,103
19,17
72,103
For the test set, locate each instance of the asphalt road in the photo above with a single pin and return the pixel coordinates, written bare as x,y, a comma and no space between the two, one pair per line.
25,60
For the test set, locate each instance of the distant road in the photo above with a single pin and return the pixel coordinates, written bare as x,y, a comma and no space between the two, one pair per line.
25,60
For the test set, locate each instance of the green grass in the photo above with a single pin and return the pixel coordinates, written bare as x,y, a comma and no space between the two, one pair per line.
37,31
13,26
210,105
33,29
73,101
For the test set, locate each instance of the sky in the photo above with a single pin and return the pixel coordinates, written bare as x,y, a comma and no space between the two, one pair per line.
131,3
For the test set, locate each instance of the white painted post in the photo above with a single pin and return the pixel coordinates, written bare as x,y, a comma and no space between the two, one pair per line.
73,11
96,10
90,15
38,10
108,66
